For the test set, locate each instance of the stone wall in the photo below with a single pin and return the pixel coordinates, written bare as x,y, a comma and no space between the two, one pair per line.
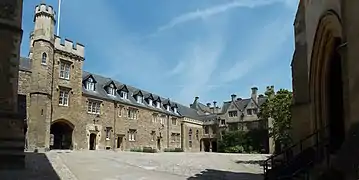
196,140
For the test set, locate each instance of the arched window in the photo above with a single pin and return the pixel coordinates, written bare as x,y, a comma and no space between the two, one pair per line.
44,58
190,138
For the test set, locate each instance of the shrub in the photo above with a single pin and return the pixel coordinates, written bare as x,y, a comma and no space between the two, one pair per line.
173,150
149,150
136,150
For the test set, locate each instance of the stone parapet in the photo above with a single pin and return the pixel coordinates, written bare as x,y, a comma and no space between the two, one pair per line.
69,46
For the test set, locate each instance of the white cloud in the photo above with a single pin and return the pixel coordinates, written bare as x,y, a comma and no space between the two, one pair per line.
206,13
181,65
200,62
265,45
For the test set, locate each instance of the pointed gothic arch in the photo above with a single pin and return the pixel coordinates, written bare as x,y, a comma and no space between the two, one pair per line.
326,79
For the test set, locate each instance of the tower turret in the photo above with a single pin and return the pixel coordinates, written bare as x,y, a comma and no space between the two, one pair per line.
44,22
42,54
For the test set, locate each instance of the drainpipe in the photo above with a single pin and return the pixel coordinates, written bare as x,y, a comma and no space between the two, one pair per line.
114,125
168,131
52,94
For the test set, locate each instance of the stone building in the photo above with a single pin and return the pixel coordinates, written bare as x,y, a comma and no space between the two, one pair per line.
69,108
236,114
11,123
325,87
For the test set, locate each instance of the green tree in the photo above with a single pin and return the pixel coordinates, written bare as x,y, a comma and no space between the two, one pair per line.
277,107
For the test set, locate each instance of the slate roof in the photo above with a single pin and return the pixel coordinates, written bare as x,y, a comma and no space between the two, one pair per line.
100,93
241,103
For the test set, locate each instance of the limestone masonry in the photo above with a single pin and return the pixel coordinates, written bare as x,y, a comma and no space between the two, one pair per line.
66,107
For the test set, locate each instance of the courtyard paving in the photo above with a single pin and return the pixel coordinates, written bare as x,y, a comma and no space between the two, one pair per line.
110,165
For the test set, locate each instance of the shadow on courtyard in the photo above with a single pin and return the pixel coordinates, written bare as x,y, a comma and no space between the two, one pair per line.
258,162
37,166
212,174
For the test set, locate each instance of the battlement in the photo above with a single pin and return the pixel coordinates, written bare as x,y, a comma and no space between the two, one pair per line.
45,9
69,47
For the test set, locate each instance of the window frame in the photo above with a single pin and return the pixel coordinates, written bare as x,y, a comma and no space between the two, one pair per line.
119,111
111,90
233,113
132,135
64,97
139,99
190,138
123,94
93,106
65,69
90,84
249,112
174,120
44,58
132,113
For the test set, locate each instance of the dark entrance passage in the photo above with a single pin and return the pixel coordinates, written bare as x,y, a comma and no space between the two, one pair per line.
93,141
158,143
335,101
206,145
214,146
61,133
119,142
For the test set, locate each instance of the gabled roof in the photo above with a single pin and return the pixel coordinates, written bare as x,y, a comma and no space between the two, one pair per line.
123,88
138,92
167,102
149,96
88,77
157,98
241,104
109,83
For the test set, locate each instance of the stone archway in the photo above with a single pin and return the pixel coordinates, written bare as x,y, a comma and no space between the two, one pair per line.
326,80
61,134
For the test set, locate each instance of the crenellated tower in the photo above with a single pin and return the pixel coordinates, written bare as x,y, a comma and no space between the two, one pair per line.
42,54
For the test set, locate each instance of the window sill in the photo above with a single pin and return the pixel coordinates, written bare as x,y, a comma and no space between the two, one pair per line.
63,78
44,64
93,113
63,105
132,140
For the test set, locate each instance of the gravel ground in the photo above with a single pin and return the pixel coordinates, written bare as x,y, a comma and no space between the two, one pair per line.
109,165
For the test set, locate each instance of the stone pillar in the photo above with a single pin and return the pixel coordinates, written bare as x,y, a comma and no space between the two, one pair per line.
11,123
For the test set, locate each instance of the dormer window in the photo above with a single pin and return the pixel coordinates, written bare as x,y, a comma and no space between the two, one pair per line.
158,104
123,94
150,102
111,90
90,84
139,99
175,110
168,107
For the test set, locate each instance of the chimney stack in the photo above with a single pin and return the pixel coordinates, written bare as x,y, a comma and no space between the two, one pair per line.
214,107
233,97
254,94
208,104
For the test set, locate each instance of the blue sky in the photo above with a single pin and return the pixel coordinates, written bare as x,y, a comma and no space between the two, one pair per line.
181,48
